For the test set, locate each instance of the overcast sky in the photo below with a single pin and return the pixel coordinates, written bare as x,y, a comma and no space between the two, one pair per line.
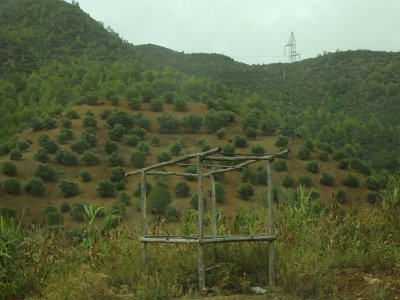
253,31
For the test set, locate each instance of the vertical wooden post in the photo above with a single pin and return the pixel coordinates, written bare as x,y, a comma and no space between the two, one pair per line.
271,230
201,265
213,207
143,216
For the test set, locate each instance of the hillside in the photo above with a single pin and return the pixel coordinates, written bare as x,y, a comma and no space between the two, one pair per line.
33,208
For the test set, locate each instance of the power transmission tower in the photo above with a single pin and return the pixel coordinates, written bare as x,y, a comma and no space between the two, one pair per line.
291,46
290,100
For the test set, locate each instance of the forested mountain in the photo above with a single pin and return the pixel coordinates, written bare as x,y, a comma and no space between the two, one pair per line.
53,54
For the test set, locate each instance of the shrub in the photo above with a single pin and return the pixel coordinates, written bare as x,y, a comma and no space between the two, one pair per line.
167,123
90,159
35,187
220,192
257,150
305,181
105,189
313,167
246,190
66,123
72,114
192,123
66,157
9,168
288,181
117,174
262,176
130,140
111,147
36,124
53,218
80,146
155,141
65,207
24,145
78,211
372,183
15,154
89,121
135,104
168,97
124,198
159,198
327,179
228,149
323,156
180,104
343,164
251,132
191,170
85,175
309,144
220,133
120,185
339,155
138,159
11,186
304,153
48,123
182,189
117,132
68,188
164,156
373,197
341,196
215,120
45,172
176,148
64,135
282,141
358,165
143,147
350,181
249,176
41,155
49,145
240,140
115,160
172,213
89,136
279,165
156,105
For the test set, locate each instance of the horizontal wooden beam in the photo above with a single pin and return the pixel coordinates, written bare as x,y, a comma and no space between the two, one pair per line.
207,240
172,173
248,157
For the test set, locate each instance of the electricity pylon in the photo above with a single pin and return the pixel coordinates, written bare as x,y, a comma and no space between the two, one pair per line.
291,46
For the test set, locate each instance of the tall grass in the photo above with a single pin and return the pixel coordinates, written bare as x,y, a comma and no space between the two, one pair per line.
316,245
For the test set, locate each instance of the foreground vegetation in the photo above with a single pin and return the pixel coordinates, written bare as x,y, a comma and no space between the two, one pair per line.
322,252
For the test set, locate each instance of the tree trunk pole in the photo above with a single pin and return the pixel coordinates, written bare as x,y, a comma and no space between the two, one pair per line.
201,265
143,217
213,207
271,228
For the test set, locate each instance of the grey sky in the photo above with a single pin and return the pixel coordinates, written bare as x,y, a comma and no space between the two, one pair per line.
253,31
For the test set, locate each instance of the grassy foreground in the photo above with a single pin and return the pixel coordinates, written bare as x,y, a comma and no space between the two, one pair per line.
322,252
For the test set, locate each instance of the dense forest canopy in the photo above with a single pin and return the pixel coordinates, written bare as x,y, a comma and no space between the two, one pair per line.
52,54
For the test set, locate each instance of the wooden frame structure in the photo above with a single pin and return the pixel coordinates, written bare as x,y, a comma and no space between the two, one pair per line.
201,239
